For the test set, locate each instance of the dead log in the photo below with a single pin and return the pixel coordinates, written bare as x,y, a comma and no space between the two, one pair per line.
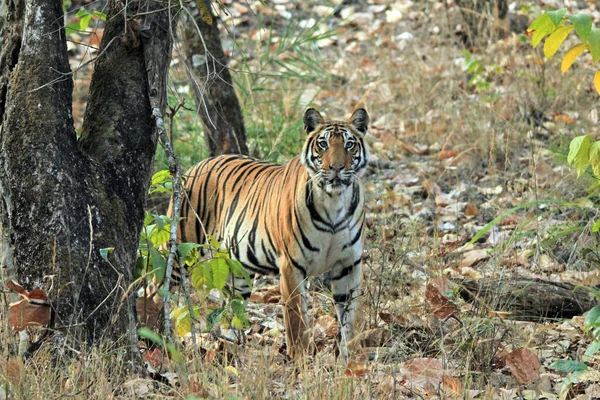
529,299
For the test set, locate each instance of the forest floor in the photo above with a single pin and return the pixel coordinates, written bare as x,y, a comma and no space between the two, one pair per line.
468,185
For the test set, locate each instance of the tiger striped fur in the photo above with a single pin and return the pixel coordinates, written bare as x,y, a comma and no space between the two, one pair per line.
298,220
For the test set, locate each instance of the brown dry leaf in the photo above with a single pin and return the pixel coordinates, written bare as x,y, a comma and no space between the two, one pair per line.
445,154
564,118
411,148
15,287
440,304
472,256
155,358
392,319
15,370
439,128
149,310
452,387
271,295
355,369
431,187
423,373
328,324
471,210
32,311
523,365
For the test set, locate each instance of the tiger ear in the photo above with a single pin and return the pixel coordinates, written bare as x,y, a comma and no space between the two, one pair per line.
312,118
360,120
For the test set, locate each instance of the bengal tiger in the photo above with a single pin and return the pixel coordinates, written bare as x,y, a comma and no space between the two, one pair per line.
302,219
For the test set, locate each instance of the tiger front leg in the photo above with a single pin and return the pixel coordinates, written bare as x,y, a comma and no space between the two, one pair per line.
345,285
295,315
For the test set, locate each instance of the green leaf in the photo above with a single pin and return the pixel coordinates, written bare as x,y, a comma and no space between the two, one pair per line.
148,218
568,366
557,16
595,158
214,318
213,242
100,15
582,24
237,306
237,269
579,153
161,236
591,350
160,177
106,251
159,265
591,318
82,13
186,248
554,41
594,42
146,333
220,272
202,278
541,27
183,322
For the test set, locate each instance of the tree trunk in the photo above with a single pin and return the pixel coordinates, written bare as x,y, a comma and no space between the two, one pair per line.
63,201
214,94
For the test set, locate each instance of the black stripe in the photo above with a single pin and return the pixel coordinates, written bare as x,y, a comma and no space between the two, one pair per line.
356,237
342,298
346,270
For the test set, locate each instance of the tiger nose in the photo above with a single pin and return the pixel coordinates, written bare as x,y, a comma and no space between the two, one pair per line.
337,167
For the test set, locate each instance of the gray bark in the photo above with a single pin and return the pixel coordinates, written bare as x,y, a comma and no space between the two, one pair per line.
216,100
64,200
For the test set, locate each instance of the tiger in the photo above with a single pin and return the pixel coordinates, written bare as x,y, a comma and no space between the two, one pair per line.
302,219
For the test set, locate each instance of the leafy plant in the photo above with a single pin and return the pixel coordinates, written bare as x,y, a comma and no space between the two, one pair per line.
480,75
207,275
556,26
84,18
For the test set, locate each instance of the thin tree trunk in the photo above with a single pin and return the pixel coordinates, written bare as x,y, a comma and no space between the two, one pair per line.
214,94
63,201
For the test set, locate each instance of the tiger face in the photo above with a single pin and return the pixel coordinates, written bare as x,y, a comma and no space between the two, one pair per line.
334,153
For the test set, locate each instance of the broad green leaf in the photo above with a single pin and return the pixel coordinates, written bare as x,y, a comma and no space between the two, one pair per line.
106,251
582,24
186,248
82,13
595,158
220,272
148,218
597,86
591,350
594,42
596,226
237,306
175,354
213,242
579,153
239,322
554,41
100,15
160,236
202,277
543,27
557,16
159,265
161,176
237,269
214,318
183,322
572,55
591,318
568,366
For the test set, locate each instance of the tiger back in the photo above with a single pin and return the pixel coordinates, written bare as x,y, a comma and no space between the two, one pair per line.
302,219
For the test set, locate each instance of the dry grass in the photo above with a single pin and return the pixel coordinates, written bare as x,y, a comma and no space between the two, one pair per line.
419,96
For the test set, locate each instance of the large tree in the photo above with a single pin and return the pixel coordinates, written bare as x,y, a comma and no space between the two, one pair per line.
64,198
214,94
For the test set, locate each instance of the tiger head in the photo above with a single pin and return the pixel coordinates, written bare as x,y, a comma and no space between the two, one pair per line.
335,152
